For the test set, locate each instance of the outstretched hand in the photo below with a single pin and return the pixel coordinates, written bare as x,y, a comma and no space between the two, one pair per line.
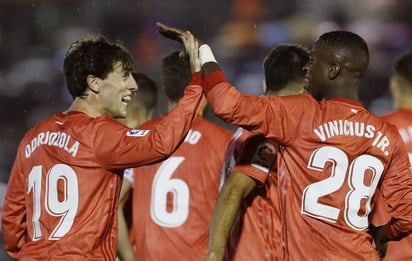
174,33
190,43
170,32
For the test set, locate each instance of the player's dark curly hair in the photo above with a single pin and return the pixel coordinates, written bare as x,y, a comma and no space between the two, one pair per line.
94,55
284,65
176,75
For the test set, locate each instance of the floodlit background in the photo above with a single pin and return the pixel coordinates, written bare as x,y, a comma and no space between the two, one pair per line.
34,36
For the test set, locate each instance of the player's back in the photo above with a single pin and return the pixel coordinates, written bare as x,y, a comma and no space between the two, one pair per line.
71,200
173,200
328,172
402,119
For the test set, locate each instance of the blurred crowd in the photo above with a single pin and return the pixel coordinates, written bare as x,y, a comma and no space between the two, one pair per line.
35,34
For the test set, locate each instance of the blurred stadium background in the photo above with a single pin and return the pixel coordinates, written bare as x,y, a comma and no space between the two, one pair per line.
35,34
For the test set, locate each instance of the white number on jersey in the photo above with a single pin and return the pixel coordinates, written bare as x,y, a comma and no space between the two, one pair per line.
410,157
361,186
66,209
162,185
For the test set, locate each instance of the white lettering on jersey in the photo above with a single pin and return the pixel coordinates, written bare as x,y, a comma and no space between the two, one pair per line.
137,133
406,134
193,137
57,139
349,128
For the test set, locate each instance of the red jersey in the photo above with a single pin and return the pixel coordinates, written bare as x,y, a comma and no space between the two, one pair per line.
173,200
62,195
256,233
335,155
402,118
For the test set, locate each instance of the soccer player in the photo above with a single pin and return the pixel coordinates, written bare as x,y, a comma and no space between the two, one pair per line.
139,110
253,189
173,200
62,196
335,153
401,90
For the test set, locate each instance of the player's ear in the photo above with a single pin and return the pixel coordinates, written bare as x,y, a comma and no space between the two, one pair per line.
334,71
93,83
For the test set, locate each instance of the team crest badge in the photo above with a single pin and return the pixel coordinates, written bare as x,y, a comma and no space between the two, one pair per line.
265,155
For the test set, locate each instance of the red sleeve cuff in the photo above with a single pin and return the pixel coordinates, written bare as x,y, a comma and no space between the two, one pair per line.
212,79
196,78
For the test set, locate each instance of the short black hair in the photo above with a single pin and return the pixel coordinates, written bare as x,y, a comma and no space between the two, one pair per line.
146,93
93,55
285,64
403,67
176,75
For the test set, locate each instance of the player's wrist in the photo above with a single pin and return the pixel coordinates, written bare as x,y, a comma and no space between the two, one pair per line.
206,55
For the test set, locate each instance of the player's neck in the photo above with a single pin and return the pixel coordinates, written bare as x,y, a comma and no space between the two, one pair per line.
82,105
347,90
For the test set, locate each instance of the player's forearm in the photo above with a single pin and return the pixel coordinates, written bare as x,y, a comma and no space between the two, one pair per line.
227,102
227,208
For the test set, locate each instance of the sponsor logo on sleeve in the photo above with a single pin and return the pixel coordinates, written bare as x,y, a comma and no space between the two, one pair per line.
137,133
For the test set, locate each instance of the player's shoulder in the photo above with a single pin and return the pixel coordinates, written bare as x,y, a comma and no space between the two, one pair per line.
302,98
397,116
244,139
45,124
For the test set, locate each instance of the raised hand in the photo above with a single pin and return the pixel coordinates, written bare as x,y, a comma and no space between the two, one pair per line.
173,33
192,49
190,43
170,32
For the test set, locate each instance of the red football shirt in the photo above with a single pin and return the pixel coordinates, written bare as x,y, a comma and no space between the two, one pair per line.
173,200
256,233
62,195
335,155
402,119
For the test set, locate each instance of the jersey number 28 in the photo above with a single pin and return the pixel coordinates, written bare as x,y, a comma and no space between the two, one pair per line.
361,186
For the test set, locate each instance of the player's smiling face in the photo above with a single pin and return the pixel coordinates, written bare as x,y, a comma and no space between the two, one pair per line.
116,91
